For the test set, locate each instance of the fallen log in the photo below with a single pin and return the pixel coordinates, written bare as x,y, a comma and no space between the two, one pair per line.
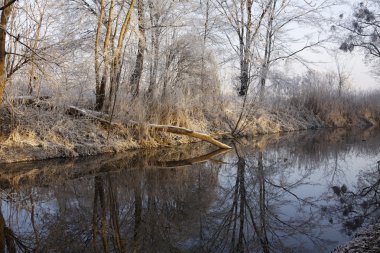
79,112
73,110
190,133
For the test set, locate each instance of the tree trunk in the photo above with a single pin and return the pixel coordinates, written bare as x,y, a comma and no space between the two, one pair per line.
32,75
203,62
106,70
116,64
3,35
245,49
244,79
268,51
155,47
99,93
137,73
166,76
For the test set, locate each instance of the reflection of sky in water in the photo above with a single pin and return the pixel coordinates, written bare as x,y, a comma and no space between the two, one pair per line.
302,210
340,169
18,218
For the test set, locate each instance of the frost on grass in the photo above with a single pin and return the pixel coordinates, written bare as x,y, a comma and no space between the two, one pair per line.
367,240
35,133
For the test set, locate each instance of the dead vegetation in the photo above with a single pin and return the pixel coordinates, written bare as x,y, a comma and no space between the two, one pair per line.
39,134
36,133
178,88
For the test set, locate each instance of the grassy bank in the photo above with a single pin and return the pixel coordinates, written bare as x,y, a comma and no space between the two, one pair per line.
34,132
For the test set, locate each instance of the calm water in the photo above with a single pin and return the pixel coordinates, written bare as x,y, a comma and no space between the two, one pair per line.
305,192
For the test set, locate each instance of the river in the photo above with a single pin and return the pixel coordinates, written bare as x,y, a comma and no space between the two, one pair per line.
302,192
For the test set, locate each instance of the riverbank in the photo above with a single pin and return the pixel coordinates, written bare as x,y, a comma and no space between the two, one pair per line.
366,240
38,132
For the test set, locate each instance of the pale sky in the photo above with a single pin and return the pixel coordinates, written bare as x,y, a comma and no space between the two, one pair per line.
353,64
360,74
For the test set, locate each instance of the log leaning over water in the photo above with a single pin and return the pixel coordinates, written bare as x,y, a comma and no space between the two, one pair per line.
191,133
97,116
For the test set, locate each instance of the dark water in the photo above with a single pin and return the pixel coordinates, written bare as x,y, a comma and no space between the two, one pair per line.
305,192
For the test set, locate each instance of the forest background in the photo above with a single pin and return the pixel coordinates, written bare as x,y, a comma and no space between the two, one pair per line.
83,77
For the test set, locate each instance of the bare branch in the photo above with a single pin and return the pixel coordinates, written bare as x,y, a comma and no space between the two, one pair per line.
7,5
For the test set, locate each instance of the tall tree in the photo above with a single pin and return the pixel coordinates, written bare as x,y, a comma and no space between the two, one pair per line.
38,19
116,64
138,70
6,11
162,17
269,37
240,17
108,68
154,17
278,44
101,80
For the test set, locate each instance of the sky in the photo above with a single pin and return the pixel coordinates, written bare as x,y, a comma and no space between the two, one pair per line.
353,64
320,59
360,74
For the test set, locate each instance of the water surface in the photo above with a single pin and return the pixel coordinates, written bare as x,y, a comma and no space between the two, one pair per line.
304,192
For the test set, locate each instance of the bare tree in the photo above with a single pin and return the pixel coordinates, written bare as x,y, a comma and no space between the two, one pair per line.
6,12
269,37
278,43
342,74
162,22
362,30
112,59
138,70
154,16
240,18
38,19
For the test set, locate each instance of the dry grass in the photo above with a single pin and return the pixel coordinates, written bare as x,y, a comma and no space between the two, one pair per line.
38,133
41,134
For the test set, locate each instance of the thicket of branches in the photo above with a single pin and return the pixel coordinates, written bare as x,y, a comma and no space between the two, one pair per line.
173,61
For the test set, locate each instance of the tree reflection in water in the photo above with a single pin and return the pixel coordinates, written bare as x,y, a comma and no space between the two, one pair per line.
361,203
248,216
253,199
